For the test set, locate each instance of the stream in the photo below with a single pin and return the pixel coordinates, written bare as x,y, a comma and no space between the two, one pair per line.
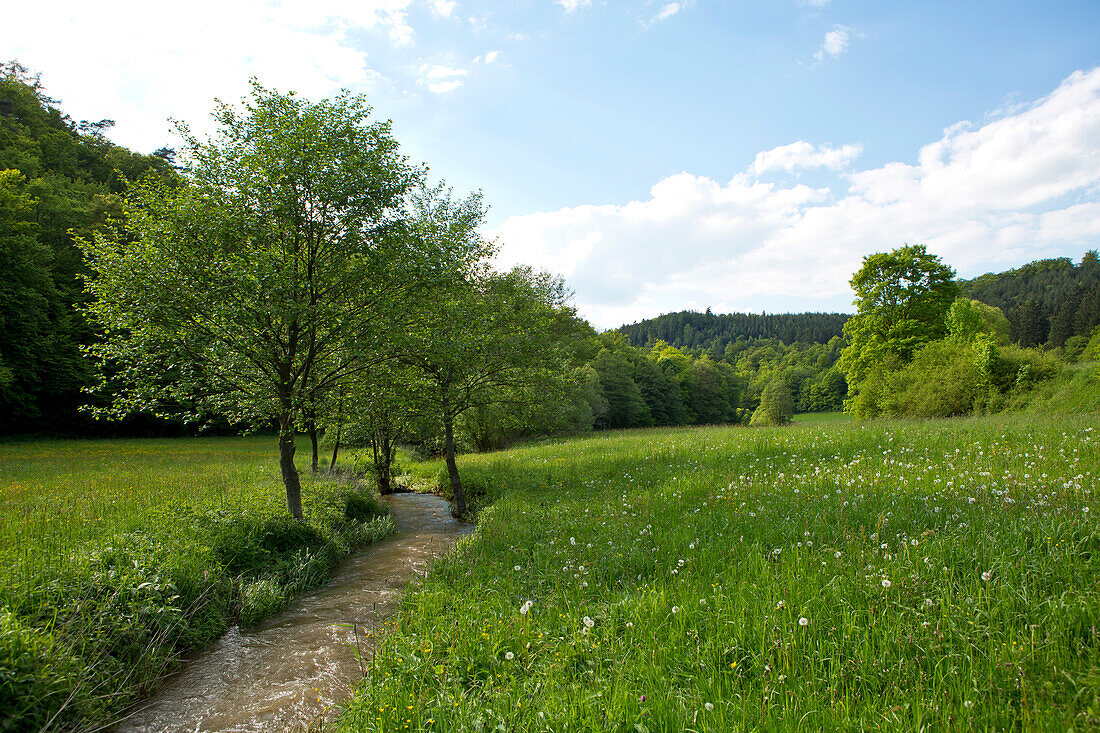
291,669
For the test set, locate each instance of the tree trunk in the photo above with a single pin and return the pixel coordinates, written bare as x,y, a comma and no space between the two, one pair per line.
311,430
335,449
459,507
286,465
383,460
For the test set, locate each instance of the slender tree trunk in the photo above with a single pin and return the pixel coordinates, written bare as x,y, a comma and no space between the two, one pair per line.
286,465
459,507
383,457
335,449
311,431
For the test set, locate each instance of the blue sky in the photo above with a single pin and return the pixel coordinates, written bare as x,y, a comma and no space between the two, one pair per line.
626,144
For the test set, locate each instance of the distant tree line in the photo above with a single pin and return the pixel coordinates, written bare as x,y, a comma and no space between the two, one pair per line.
1047,302
713,332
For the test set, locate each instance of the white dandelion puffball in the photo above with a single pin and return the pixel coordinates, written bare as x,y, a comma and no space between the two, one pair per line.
803,621
886,583
709,706
509,655
589,622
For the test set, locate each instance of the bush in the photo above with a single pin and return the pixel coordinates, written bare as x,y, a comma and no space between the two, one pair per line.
776,405
361,506
1021,369
943,380
248,544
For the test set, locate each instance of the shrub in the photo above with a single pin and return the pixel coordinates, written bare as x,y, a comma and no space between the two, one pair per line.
247,544
776,405
943,380
361,506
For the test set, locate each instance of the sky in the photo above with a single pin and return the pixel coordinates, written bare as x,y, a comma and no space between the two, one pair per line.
660,156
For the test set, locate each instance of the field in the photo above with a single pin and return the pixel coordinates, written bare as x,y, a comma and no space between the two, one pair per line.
120,554
937,575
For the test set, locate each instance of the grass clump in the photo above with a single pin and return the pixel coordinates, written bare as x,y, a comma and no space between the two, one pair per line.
935,575
123,554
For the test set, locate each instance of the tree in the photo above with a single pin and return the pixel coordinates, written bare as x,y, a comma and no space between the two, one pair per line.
967,319
274,271
776,405
901,299
497,338
626,407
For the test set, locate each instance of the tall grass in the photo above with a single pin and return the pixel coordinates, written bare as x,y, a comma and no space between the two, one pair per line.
121,554
936,575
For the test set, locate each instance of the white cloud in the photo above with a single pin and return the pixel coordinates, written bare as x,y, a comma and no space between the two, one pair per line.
572,6
671,9
171,62
983,198
835,43
442,7
802,154
815,3
491,56
441,79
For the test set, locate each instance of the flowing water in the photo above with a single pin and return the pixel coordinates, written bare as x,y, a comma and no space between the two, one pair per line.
291,669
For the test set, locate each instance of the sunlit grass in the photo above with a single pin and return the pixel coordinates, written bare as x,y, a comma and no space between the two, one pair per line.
899,575
120,554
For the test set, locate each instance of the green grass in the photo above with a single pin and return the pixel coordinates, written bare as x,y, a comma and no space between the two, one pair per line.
821,418
121,554
946,571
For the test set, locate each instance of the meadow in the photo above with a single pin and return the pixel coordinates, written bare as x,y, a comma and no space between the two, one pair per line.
898,575
121,554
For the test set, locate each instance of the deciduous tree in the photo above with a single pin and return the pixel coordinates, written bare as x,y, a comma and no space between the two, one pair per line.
274,271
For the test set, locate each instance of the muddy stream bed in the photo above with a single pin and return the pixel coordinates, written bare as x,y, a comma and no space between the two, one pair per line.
291,669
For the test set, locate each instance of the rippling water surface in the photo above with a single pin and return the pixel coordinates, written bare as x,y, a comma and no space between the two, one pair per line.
292,668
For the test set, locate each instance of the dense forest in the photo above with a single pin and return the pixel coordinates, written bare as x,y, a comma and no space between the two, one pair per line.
59,178
1046,302
691,330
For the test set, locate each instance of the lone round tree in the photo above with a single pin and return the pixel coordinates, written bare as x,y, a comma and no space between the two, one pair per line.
265,276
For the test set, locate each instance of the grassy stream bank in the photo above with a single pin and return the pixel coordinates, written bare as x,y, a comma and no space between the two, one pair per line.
119,555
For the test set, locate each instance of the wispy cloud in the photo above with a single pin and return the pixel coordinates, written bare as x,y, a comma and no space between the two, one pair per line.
670,9
572,6
441,79
443,8
835,43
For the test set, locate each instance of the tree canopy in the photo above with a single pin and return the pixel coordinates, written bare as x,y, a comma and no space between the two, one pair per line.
274,270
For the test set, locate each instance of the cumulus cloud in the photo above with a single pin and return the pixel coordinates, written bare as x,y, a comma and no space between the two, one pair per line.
835,43
802,154
441,79
984,198
172,61
491,56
